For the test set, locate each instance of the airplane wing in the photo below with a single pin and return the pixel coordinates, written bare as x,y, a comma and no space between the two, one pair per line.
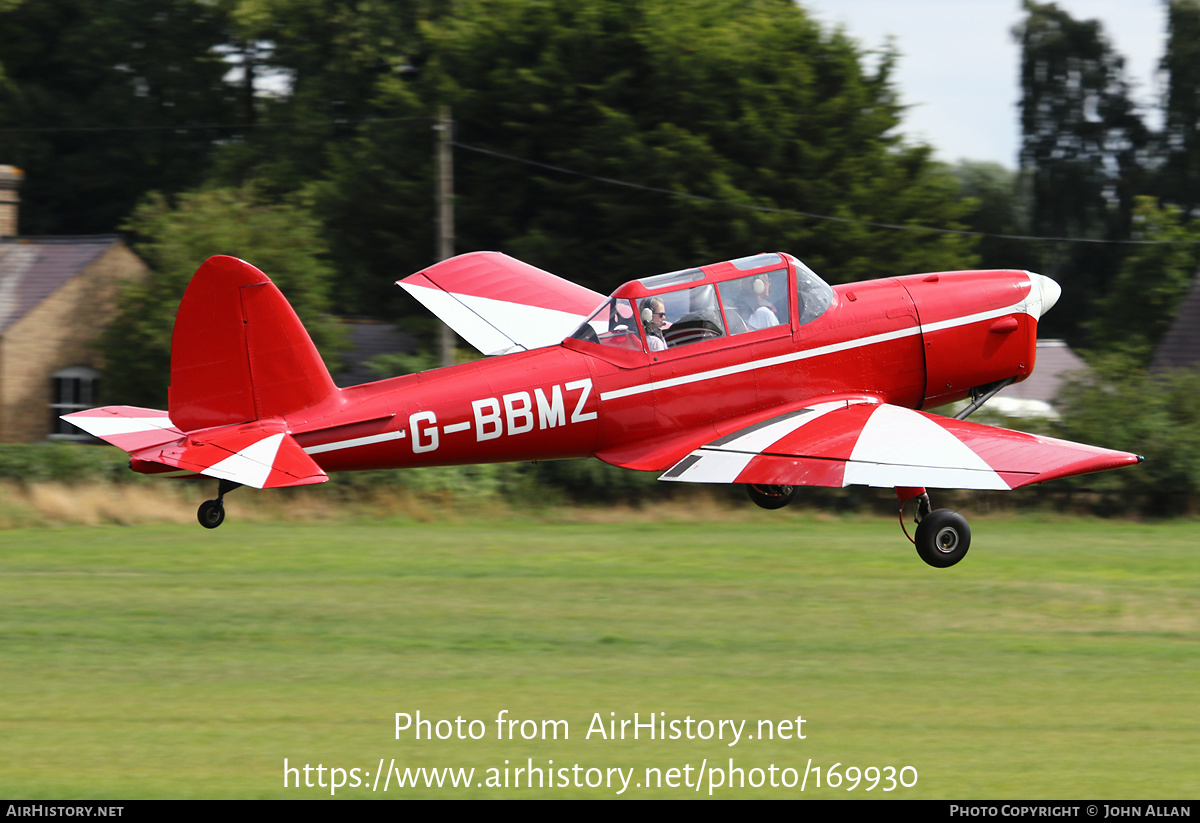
501,305
260,454
854,442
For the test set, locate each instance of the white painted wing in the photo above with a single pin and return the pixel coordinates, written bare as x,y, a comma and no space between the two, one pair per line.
499,304
855,442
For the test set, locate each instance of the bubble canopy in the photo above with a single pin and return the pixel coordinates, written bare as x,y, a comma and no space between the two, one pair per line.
749,295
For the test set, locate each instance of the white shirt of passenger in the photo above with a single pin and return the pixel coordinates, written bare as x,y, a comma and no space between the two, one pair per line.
763,318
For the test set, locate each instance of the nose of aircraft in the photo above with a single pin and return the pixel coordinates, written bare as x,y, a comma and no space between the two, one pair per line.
1044,295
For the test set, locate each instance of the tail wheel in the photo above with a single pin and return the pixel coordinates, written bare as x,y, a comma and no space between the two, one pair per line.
771,497
211,514
943,538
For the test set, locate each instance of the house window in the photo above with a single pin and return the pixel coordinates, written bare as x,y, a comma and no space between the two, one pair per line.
74,389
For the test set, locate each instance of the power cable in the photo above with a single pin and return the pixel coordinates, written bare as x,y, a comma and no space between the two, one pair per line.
602,179
811,215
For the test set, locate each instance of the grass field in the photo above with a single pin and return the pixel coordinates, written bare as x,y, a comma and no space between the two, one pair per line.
1060,660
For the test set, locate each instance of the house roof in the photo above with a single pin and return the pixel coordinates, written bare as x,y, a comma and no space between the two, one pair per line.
33,268
367,339
1180,346
1056,362
1036,395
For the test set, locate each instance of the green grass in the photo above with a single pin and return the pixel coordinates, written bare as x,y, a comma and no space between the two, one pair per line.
1059,660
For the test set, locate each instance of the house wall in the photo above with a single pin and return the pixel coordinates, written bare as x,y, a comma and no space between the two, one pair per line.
61,332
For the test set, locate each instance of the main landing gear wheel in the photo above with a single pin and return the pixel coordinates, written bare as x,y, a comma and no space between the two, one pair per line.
771,497
211,514
943,538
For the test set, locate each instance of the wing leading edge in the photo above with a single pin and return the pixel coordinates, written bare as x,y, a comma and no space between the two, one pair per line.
842,443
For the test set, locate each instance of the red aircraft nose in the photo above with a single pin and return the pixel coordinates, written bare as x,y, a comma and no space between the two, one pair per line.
978,327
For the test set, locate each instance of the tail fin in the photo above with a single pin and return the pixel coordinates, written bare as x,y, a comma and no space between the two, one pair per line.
239,353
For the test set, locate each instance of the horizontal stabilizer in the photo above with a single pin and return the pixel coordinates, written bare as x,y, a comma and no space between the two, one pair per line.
499,304
261,455
127,427
841,443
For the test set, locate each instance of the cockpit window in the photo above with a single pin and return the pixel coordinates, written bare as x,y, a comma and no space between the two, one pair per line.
682,316
813,293
757,302
758,261
689,316
672,278
613,324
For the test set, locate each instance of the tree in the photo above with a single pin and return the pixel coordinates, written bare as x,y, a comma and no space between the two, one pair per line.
1000,209
104,100
730,124
327,60
284,241
1181,127
1083,150
1082,138
721,119
1152,281
1156,416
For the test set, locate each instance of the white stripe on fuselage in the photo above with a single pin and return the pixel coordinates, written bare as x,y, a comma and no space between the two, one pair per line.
820,351
357,441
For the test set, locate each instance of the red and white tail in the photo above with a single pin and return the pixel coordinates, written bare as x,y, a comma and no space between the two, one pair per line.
240,360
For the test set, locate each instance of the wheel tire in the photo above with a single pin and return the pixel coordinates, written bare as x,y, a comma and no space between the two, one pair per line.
943,538
771,497
211,514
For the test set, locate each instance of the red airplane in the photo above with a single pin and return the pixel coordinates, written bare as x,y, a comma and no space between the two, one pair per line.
750,371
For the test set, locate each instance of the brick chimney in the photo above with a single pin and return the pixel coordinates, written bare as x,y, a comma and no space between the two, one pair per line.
10,182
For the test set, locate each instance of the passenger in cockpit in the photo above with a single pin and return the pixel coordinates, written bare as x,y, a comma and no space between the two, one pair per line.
763,310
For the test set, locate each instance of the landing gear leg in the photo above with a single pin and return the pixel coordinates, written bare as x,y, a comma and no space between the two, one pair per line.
212,512
943,536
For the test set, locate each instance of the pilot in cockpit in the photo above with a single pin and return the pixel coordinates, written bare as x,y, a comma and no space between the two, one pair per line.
654,318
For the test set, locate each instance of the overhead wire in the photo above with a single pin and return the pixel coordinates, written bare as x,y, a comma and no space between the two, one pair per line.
810,215
612,181
337,121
